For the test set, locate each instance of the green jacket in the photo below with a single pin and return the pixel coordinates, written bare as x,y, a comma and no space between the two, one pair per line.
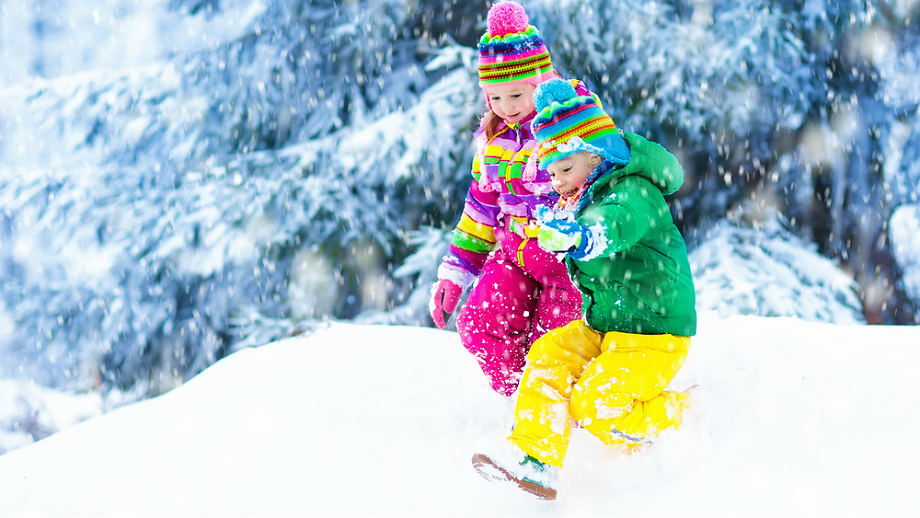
636,278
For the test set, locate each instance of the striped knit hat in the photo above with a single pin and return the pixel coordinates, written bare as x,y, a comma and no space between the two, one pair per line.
512,50
567,123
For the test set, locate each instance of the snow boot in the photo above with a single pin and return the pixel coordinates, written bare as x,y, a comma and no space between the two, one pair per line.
520,469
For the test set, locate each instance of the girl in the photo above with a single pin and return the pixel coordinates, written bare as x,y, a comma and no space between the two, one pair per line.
521,291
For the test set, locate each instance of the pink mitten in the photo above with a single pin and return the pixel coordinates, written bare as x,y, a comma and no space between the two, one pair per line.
444,300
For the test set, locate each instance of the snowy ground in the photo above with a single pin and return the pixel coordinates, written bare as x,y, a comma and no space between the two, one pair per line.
792,418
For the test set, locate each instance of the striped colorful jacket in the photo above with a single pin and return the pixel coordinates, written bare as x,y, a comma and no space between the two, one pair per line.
506,182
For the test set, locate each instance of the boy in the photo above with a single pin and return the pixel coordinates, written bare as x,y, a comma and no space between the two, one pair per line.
609,370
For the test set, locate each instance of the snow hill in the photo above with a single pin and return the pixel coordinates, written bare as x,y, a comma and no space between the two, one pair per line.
792,417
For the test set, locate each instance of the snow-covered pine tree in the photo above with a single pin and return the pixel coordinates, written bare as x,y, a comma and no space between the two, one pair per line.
771,272
905,242
837,190
229,191
717,82
896,53
782,104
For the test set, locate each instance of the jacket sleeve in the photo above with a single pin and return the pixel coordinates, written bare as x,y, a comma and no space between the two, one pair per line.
620,220
474,236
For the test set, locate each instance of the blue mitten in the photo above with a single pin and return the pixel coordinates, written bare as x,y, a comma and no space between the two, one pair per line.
559,235
544,213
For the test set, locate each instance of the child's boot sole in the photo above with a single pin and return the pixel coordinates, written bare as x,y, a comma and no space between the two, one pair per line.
492,471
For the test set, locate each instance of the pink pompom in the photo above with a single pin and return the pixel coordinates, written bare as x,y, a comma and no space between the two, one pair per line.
507,18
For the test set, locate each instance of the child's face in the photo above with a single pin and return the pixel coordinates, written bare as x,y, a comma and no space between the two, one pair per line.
511,102
570,173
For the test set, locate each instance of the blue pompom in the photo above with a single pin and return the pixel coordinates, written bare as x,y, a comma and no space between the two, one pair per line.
553,90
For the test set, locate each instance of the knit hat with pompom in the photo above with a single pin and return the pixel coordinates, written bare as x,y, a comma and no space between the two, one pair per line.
567,123
512,50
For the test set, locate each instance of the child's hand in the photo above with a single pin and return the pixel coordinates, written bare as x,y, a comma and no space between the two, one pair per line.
560,235
543,214
444,297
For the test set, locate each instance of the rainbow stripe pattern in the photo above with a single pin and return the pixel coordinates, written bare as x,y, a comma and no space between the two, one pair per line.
510,162
513,57
500,189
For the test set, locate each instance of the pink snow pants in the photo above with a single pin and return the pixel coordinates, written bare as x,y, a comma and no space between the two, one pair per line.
513,303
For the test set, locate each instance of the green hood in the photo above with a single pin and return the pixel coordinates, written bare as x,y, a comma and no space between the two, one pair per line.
647,159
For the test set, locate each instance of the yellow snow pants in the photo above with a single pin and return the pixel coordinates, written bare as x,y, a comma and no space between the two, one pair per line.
611,383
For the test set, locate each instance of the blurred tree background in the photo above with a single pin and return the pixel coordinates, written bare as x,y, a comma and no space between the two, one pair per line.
251,168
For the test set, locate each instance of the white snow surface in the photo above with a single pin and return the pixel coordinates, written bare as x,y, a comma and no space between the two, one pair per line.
790,418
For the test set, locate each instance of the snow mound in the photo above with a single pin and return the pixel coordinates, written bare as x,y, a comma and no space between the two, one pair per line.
790,418
770,272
